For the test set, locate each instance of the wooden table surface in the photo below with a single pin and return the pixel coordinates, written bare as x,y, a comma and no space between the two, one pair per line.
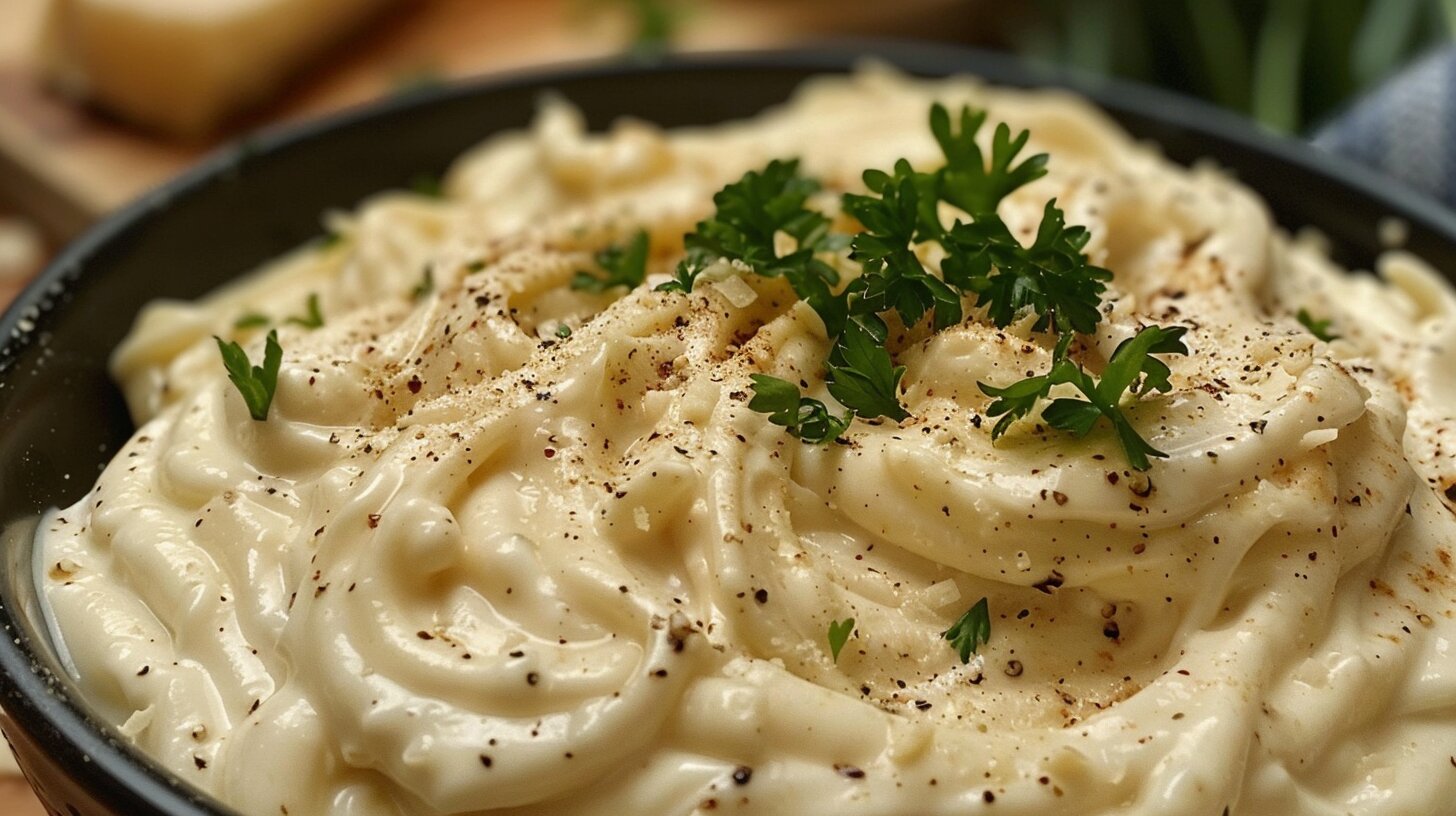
65,166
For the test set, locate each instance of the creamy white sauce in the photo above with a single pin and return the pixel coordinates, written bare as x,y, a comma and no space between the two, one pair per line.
466,567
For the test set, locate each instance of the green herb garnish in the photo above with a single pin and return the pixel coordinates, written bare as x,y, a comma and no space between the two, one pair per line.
1318,328
623,265
425,287
902,214
256,383
805,417
750,212
972,629
982,258
251,320
313,316
427,185
1051,278
563,331
839,632
1132,368
967,181
861,373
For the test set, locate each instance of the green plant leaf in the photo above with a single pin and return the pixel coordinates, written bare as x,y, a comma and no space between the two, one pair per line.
839,632
970,631
256,384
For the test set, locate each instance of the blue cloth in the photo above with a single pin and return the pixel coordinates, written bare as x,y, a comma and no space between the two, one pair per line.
1406,127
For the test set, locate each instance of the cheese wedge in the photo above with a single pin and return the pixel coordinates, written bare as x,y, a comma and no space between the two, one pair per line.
185,66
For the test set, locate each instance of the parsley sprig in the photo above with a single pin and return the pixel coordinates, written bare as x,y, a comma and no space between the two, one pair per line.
1318,328
970,630
313,316
899,215
839,632
903,210
861,373
1052,278
805,417
1132,368
257,384
251,320
749,214
622,266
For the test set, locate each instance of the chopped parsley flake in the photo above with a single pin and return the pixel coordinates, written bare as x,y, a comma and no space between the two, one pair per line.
839,632
313,316
970,631
622,265
251,320
425,287
1318,328
257,384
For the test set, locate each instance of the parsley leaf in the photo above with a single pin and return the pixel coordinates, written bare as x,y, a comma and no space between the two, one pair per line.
903,208
426,285
894,278
623,265
966,181
1051,277
256,383
1131,368
861,373
1131,365
839,632
563,331
1018,399
313,317
1318,328
684,276
805,417
750,212
251,320
970,631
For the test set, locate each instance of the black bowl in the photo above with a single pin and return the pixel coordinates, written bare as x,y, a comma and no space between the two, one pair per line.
60,414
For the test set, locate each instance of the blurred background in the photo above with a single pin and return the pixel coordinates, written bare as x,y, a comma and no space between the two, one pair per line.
102,99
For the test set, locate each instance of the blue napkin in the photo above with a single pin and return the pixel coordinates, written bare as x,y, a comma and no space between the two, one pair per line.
1406,127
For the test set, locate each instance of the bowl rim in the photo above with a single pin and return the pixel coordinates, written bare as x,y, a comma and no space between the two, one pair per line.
117,773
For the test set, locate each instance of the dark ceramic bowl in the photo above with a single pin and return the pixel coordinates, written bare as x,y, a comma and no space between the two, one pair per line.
60,414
